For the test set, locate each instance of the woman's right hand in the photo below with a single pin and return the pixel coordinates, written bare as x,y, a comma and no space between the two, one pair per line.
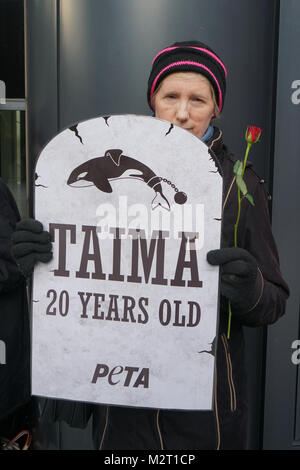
30,244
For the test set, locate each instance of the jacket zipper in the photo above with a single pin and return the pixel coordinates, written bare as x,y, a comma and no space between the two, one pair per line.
229,374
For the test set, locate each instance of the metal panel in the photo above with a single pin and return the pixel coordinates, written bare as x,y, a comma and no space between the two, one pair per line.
41,76
281,430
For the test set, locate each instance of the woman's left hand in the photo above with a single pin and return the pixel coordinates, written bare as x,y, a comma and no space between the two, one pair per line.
240,280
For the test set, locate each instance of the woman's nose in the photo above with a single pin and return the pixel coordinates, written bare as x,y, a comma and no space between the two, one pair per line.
182,112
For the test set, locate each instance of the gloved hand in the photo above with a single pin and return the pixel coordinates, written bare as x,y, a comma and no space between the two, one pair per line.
30,243
240,280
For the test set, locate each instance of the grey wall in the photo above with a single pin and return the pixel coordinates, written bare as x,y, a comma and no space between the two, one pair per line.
282,411
93,57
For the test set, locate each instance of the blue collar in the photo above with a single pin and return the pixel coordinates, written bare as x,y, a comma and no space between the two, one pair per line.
208,134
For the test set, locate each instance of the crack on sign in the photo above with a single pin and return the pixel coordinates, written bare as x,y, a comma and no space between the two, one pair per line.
106,119
36,176
170,128
75,130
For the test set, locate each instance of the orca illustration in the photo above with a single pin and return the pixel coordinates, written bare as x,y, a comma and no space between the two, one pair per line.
114,165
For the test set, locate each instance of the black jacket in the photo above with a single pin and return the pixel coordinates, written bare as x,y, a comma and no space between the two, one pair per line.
225,427
14,321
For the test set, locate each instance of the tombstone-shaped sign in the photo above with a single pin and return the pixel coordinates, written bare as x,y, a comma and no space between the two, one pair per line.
126,312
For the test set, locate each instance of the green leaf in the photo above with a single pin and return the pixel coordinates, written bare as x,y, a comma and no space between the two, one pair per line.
241,185
238,168
250,199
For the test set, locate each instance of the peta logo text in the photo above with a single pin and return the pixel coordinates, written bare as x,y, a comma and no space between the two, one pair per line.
126,376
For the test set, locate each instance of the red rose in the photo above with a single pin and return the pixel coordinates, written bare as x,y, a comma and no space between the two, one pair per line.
253,134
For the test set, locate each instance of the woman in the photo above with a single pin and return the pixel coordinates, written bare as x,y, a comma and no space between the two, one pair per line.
187,87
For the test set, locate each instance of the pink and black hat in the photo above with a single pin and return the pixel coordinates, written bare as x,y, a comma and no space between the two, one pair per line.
189,56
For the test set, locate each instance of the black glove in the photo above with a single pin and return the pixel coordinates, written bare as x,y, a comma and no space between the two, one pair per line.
240,280
30,243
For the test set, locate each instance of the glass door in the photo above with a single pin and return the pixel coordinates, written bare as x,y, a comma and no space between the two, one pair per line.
13,150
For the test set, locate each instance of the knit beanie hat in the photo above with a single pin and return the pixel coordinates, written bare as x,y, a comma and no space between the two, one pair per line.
189,56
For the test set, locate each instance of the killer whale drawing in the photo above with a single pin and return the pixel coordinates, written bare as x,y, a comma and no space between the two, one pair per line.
100,171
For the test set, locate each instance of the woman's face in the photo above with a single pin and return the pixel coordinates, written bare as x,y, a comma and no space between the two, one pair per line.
186,100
